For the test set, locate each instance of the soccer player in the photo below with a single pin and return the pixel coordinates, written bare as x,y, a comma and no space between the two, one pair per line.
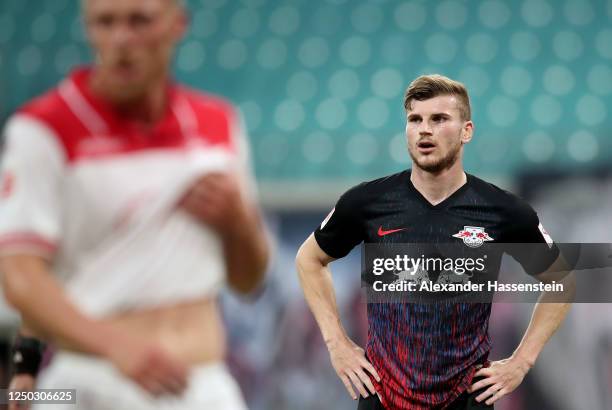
127,203
427,356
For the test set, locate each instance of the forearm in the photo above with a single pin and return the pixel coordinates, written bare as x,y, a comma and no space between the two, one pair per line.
27,330
548,314
316,281
35,293
247,253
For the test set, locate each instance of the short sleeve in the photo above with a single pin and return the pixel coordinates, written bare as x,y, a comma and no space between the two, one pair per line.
532,246
31,172
342,229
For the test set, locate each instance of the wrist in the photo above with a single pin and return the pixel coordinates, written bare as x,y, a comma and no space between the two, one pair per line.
525,360
335,339
113,341
26,355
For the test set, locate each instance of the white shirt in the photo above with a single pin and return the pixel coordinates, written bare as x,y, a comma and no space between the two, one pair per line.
98,197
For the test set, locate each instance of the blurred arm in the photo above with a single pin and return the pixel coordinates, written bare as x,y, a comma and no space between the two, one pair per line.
247,252
30,288
218,200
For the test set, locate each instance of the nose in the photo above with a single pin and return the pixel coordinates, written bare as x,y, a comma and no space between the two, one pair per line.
424,128
122,34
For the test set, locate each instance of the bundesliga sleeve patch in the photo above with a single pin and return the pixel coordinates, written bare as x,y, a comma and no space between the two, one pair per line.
545,235
327,218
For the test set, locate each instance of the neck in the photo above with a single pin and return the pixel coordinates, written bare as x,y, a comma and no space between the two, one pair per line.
436,187
146,107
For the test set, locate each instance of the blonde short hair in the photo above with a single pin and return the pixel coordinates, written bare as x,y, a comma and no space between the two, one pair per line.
434,85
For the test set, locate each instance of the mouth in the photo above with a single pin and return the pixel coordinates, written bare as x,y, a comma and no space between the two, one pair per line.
124,68
426,147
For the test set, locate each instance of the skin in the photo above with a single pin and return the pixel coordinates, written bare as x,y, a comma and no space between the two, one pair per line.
134,41
437,172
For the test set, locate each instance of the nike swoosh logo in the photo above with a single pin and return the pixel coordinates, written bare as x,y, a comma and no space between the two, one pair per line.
382,232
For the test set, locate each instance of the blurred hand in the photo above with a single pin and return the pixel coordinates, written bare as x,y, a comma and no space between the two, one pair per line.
21,382
215,199
350,364
149,365
502,376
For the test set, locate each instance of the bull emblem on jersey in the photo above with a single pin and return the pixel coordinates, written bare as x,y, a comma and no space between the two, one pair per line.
473,236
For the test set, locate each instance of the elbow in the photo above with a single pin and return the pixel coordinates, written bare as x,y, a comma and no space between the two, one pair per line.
308,260
19,275
250,284
300,258
14,287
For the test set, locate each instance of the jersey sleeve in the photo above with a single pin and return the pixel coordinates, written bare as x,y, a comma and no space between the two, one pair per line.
342,229
31,172
532,246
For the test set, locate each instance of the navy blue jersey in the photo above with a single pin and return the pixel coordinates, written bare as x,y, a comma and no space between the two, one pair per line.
426,354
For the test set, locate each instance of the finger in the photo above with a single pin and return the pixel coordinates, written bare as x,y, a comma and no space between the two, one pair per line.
219,182
368,366
481,384
173,387
358,384
489,392
151,386
170,384
500,393
173,374
210,200
226,188
348,386
179,375
203,211
485,371
215,175
366,381
210,213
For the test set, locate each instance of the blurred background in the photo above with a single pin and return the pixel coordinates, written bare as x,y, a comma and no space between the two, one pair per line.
320,83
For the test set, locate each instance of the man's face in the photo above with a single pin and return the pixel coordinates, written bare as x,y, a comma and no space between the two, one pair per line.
436,133
134,41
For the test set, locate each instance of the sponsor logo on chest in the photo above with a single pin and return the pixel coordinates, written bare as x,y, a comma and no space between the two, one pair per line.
473,236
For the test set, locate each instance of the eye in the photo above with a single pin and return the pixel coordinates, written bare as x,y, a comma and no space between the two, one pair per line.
414,119
104,20
140,20
439,118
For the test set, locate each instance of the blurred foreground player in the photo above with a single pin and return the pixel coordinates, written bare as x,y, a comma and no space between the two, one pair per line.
126,204
429,356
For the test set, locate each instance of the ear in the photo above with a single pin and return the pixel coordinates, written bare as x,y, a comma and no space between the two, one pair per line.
467,132
181,24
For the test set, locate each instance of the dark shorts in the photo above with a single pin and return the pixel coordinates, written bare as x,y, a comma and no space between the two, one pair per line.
465,401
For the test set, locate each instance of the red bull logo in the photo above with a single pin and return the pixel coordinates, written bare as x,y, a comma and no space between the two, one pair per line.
473,236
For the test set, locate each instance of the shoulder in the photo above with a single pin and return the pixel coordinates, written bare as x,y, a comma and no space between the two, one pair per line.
38,125
49,108
208,103
373,190
511,205
48,116
216,119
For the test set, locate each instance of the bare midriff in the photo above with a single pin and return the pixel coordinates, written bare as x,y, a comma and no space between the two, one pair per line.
192,332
